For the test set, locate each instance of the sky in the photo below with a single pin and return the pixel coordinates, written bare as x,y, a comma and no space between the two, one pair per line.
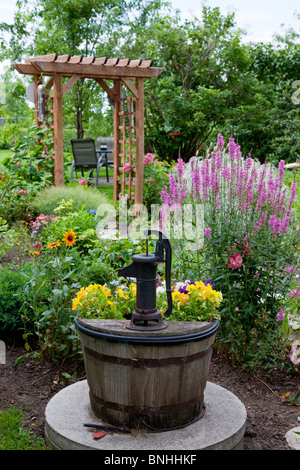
261,18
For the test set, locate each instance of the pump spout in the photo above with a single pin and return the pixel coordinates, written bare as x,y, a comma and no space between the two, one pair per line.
128,271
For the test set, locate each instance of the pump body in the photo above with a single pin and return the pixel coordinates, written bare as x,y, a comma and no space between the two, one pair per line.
146,315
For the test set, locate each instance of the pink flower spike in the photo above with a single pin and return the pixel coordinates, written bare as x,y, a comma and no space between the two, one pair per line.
207,233
280,315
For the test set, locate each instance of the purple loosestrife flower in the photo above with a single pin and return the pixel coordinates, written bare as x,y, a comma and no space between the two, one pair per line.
196,182
280,172
180,169
280,315
207,233
231,148
220,141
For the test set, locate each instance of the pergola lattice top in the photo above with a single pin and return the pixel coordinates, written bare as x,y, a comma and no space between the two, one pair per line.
89,67
128,111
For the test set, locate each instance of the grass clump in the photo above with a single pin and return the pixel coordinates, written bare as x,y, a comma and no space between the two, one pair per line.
13,435
88,198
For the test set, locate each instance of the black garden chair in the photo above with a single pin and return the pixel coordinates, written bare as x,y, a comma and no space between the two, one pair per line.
85,157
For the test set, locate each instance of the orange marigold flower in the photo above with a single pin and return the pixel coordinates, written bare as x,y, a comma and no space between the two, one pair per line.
69,238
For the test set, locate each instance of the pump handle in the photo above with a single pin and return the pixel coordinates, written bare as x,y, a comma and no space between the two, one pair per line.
163,244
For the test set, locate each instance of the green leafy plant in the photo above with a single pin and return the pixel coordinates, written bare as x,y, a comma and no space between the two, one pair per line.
81,222
8,237
48,290
155,178
32,158
11,301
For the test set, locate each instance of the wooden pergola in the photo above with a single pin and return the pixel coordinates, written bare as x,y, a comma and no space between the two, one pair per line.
128,111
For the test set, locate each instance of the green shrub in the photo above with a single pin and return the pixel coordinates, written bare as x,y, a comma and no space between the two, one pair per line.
8,237
88,197
48,290
11,300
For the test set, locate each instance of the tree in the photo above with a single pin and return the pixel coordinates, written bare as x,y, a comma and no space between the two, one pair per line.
14,110
204,66
277,67
75,27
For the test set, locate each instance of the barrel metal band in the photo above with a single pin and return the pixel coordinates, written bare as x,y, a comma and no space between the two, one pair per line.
146,362
146,410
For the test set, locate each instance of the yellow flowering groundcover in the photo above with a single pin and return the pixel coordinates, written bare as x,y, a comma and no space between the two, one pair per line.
98,301
195,301
192,301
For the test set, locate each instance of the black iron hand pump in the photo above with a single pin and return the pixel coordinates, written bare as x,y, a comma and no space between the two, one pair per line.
146,315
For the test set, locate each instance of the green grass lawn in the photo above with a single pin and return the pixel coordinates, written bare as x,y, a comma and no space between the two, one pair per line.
13,435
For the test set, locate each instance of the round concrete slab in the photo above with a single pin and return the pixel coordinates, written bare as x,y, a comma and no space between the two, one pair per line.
221,428
293,438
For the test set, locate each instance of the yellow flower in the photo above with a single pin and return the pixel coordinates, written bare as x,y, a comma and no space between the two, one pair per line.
105,291
110,303
82,294
121,294
92,288
132,289
34,253
75,303
53,245
180,297
69,238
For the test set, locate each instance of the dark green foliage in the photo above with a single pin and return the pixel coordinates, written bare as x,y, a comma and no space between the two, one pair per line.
11,300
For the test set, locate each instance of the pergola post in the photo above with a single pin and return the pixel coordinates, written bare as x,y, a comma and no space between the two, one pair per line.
117,136
58,130
140,146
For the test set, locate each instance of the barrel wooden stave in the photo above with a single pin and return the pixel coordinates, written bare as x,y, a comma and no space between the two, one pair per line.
161,385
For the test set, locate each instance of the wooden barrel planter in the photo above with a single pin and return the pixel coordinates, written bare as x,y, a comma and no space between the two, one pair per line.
154,379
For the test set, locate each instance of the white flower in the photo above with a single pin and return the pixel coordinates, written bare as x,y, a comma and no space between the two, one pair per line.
161,289
178,285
